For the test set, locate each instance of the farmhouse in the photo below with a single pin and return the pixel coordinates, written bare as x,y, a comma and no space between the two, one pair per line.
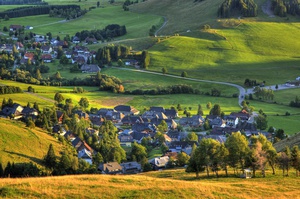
110,168
127,110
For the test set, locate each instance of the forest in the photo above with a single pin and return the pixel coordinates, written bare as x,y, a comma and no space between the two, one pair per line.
246,8
22,2
34,10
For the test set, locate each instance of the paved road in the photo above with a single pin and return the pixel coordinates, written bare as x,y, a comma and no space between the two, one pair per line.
164,24
242,91
240,88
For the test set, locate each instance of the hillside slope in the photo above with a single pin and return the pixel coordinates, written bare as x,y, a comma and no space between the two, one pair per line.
20,144
182,15
186,15
290,142
161,184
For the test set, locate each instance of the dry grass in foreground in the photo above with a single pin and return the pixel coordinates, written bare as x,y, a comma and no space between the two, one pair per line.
161,184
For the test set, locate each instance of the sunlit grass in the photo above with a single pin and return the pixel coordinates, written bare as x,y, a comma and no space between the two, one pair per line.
161,184
20,144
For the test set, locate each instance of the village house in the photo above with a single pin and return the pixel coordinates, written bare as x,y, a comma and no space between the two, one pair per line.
131,167
80,60
29,112
46,49
174,134
90,40
133,119
182,146
15,111
85,155
193,122
159,162
76,40
47,58
110,168
170,122
125,140
127,110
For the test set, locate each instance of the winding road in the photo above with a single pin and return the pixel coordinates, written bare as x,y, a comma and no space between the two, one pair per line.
164,24
242,91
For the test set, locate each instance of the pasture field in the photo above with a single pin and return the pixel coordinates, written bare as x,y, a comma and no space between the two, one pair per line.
20,144
137,25
252,50
286,96
159,184
189,16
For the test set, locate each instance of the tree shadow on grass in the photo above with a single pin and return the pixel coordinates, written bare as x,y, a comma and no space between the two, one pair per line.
32,159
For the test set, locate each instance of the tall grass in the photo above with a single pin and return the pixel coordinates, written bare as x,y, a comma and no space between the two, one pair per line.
161,184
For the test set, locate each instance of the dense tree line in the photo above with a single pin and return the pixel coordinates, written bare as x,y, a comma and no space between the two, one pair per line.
247,8
111,53
108,33
295,103
68,13
282,8
175,89
19,170
7,59
128,3
236,152
34,10
250,82
22,2
10,89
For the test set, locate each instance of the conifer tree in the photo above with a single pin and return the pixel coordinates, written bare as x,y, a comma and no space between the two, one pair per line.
50,158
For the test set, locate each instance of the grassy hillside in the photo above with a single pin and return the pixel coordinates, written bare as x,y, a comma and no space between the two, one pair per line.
137,25
164,184
186,15
252,50
20,144
290,142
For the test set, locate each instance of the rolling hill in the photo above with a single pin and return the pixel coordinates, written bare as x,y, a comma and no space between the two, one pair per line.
161,184
20,144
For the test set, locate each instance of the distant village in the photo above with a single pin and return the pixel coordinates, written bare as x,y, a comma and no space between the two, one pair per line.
72,49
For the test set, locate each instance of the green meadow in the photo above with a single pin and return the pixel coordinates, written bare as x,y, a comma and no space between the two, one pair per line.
137,25
252,50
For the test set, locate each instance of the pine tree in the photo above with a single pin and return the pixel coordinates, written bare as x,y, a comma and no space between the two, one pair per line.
50,158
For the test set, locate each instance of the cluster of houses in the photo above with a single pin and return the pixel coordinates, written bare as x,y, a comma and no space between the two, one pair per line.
144,125
49,49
